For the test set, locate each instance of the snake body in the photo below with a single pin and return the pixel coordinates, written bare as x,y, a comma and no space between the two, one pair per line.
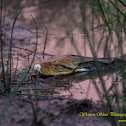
62,65
98,65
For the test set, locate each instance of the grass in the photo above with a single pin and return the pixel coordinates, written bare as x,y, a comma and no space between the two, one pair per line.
6,73
1,47
113,20
109,17
5,87
9,64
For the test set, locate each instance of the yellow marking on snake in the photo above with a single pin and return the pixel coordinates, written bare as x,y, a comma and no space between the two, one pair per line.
63,65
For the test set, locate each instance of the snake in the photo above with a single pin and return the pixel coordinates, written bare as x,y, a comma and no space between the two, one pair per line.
68,64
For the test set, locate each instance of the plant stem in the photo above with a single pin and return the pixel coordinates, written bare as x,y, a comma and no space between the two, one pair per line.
1,47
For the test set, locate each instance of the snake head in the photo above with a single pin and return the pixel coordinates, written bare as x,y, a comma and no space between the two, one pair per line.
36,68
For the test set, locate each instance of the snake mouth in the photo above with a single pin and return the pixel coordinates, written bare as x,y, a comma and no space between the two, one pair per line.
82,70
35,71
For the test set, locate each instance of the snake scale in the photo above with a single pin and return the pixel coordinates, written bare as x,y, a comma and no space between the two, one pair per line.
63,65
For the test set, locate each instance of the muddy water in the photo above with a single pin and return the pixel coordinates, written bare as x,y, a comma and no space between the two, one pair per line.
61,17
82,85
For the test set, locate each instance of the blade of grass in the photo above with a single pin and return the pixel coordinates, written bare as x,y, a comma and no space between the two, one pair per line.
1,88
4,13
122,3
100,41
45,41
10,55
71,38
1,47
110,14
103,14
83,18
117,8
116,87
34,110
107,46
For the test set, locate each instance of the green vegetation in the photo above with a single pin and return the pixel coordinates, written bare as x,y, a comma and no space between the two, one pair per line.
105,16
112,20
5,87
6,69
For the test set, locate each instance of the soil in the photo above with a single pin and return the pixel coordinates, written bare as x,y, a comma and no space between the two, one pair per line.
51,112
36,102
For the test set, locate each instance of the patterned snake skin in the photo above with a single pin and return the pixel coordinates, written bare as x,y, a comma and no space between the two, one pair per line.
92,65
63,65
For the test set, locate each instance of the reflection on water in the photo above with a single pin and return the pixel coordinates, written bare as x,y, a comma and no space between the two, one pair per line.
81,86
77,86
63,17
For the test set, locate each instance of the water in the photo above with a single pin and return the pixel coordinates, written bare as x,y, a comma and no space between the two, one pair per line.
61,18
